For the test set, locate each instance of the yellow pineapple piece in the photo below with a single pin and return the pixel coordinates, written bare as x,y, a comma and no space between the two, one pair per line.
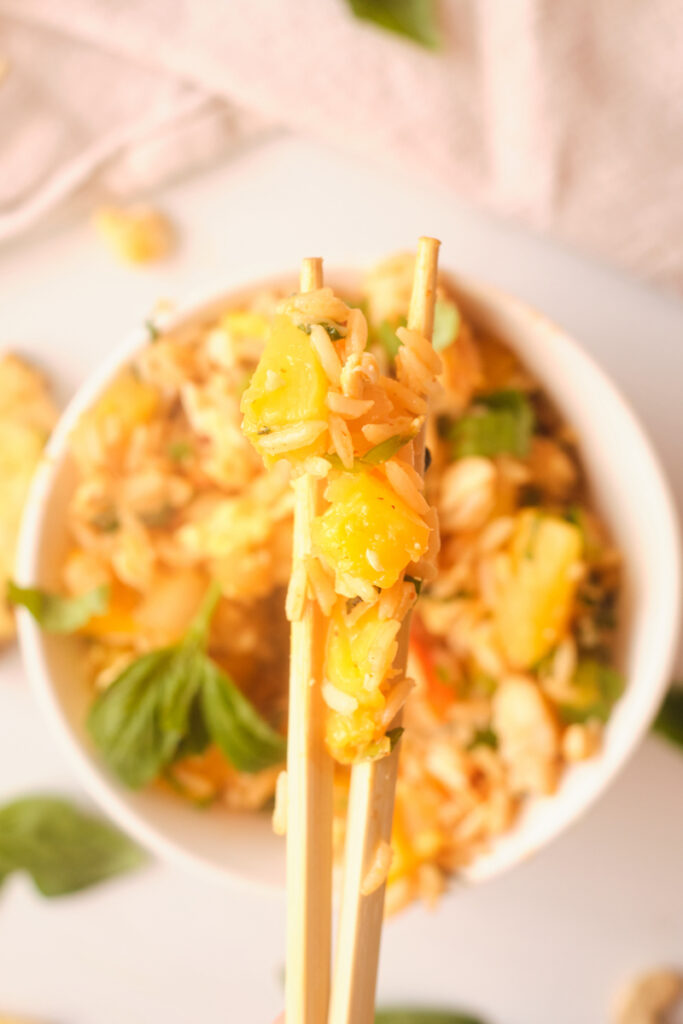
287,392
127,403
368,532
136,234
358,657
535,604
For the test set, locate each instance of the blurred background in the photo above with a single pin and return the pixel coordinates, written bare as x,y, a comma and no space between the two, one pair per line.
155,149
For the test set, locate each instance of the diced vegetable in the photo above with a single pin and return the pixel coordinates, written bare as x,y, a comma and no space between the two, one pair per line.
595,689
500,423
368,532
440,693
288,387
535,604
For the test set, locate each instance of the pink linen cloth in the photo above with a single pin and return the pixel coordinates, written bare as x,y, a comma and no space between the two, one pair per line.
564,114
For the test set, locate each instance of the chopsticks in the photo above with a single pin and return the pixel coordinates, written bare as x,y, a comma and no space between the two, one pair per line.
373,783
309,996
309,779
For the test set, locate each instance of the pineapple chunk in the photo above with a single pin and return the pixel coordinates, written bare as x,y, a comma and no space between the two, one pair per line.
358,659
535,605
127,403
288,388
136,234
368,533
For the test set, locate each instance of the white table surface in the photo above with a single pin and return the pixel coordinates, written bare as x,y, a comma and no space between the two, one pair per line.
548,943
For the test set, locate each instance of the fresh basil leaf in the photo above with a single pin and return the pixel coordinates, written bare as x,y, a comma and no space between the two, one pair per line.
125,723
447,322
171,703
56,614
246,739
415,19
410,1016
596,688
61,847
669,720
501,423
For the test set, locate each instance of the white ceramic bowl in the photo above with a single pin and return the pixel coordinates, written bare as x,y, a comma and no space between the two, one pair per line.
629,489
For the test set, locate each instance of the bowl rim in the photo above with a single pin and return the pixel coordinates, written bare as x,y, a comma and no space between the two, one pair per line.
27,567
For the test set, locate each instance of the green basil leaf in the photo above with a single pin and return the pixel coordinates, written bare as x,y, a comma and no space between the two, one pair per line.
415,19
501,423
416,1016
669,720
246,739
61,847
171,703
447,322
124,721
56,614
596,688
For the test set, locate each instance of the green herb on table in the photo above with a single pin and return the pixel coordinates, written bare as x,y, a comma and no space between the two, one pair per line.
447,323
415,19
500,423
669,720
171,703
410,1016
57,614
64,849
596,687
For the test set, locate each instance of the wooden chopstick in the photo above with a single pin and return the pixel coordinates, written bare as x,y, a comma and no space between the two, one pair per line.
373,783
309,780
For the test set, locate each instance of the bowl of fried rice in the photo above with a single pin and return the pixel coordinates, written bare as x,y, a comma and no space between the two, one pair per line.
539,652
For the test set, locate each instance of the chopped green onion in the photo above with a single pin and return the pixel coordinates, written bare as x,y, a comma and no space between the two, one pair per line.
596,687
500,423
